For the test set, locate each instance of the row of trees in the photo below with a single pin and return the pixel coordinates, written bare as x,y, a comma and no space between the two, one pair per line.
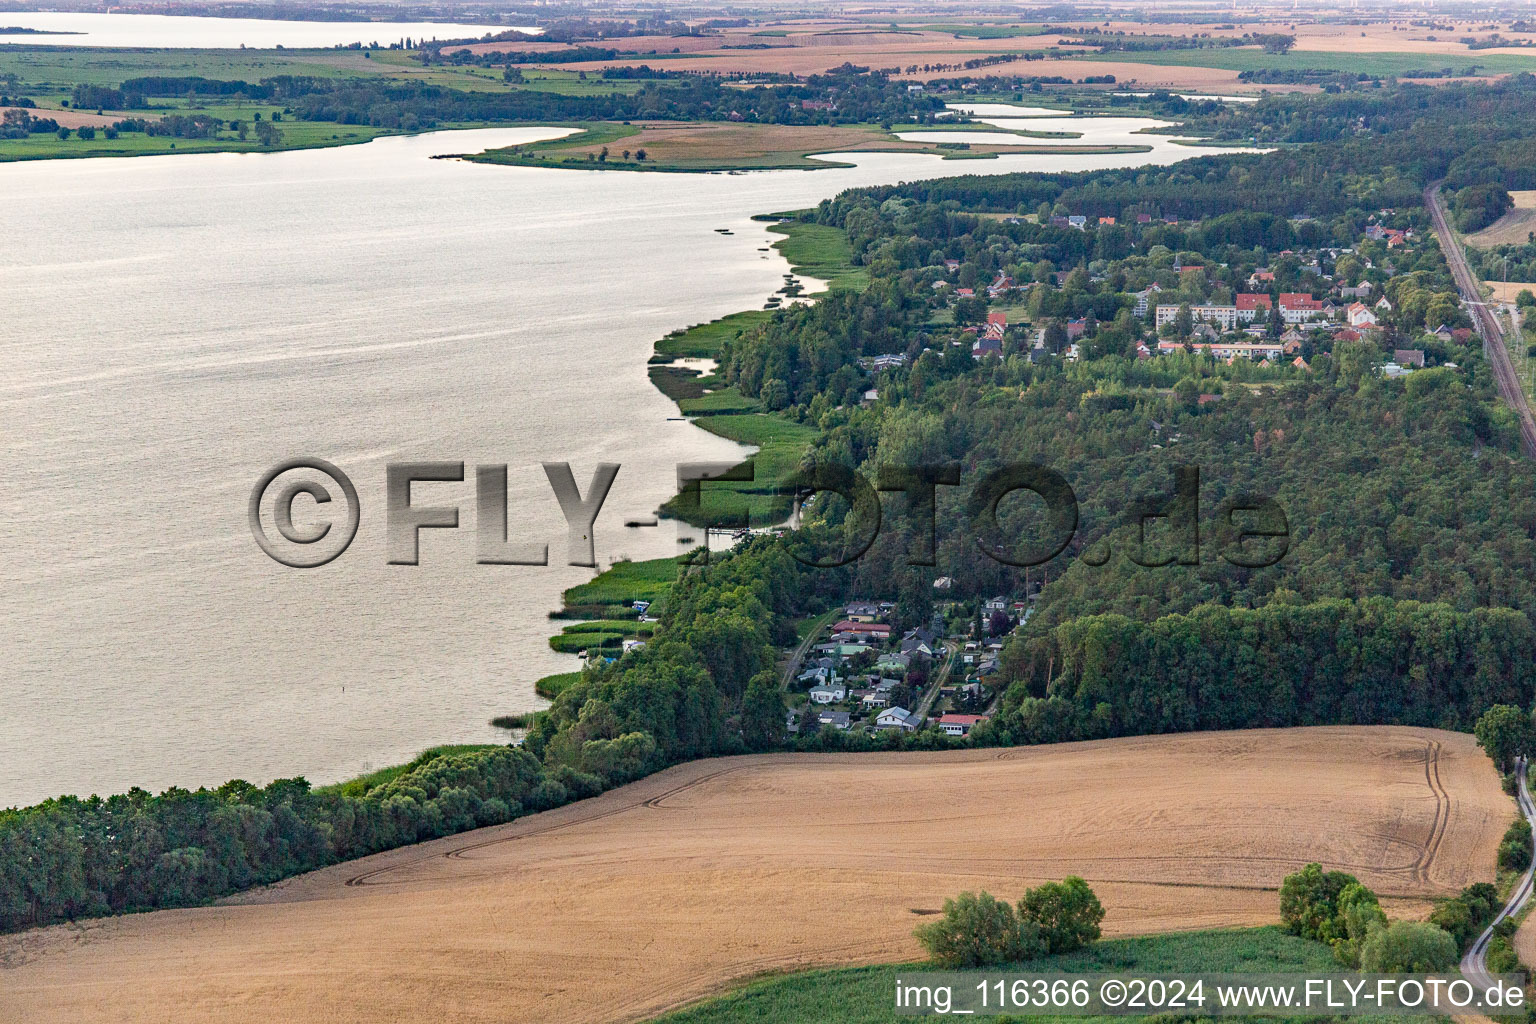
977,930
1334,908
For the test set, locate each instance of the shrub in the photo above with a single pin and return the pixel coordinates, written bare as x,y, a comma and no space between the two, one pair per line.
1408,946
976,931
1067,913
1515,850
1466,915
1362,916
1309,903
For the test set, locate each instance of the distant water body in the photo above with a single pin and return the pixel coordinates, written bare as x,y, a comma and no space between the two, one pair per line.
177,32
174,326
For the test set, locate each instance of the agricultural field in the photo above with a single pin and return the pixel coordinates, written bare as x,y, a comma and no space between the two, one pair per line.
1514,228
655,895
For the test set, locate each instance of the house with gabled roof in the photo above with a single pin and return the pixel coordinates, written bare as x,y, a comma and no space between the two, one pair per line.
897,718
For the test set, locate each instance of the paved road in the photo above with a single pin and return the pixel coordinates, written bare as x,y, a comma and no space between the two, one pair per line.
1474,966
792,667
1487,323
943,657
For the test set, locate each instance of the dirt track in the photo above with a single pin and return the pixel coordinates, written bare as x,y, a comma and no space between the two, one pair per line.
672,888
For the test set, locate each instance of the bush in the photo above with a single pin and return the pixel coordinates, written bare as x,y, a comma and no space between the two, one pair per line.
1067,913
1408,946
1363,917
1515,850
1309,903
976,931
1465,916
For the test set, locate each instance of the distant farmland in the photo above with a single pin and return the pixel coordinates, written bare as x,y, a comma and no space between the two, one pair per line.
653,895
1245,58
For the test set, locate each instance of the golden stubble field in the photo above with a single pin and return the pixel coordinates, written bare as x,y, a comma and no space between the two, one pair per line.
812,46
675,887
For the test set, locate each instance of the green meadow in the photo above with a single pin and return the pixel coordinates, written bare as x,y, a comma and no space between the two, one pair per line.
864,995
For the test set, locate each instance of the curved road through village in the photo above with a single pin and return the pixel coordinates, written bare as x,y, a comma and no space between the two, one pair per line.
1474,966
1487,323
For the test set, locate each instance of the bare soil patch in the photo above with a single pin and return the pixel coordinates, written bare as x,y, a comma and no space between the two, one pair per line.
616,908
74,118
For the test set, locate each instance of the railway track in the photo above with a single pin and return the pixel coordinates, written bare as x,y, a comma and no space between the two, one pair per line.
1487,323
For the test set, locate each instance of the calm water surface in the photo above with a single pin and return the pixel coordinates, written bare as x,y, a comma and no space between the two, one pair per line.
174,326
160,30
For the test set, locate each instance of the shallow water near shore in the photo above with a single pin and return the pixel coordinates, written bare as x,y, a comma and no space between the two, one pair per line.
178,325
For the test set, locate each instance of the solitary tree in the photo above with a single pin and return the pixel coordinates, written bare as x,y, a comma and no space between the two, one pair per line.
1504,733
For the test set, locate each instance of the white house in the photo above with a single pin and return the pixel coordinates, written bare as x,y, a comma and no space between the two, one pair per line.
1360,315
836,719
959,725
897,718
829,693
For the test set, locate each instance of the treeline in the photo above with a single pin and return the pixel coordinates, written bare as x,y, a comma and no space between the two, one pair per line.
72,858
1372,661
846,95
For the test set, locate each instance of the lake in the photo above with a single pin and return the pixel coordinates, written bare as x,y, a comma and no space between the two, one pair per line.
177,32
176,325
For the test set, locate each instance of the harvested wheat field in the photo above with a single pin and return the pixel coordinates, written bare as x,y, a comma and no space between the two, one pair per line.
672,888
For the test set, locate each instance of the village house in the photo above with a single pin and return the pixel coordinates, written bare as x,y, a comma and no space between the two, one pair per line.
836,719
1360,315
897,718
872,630
959,725
829,693
1409,357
